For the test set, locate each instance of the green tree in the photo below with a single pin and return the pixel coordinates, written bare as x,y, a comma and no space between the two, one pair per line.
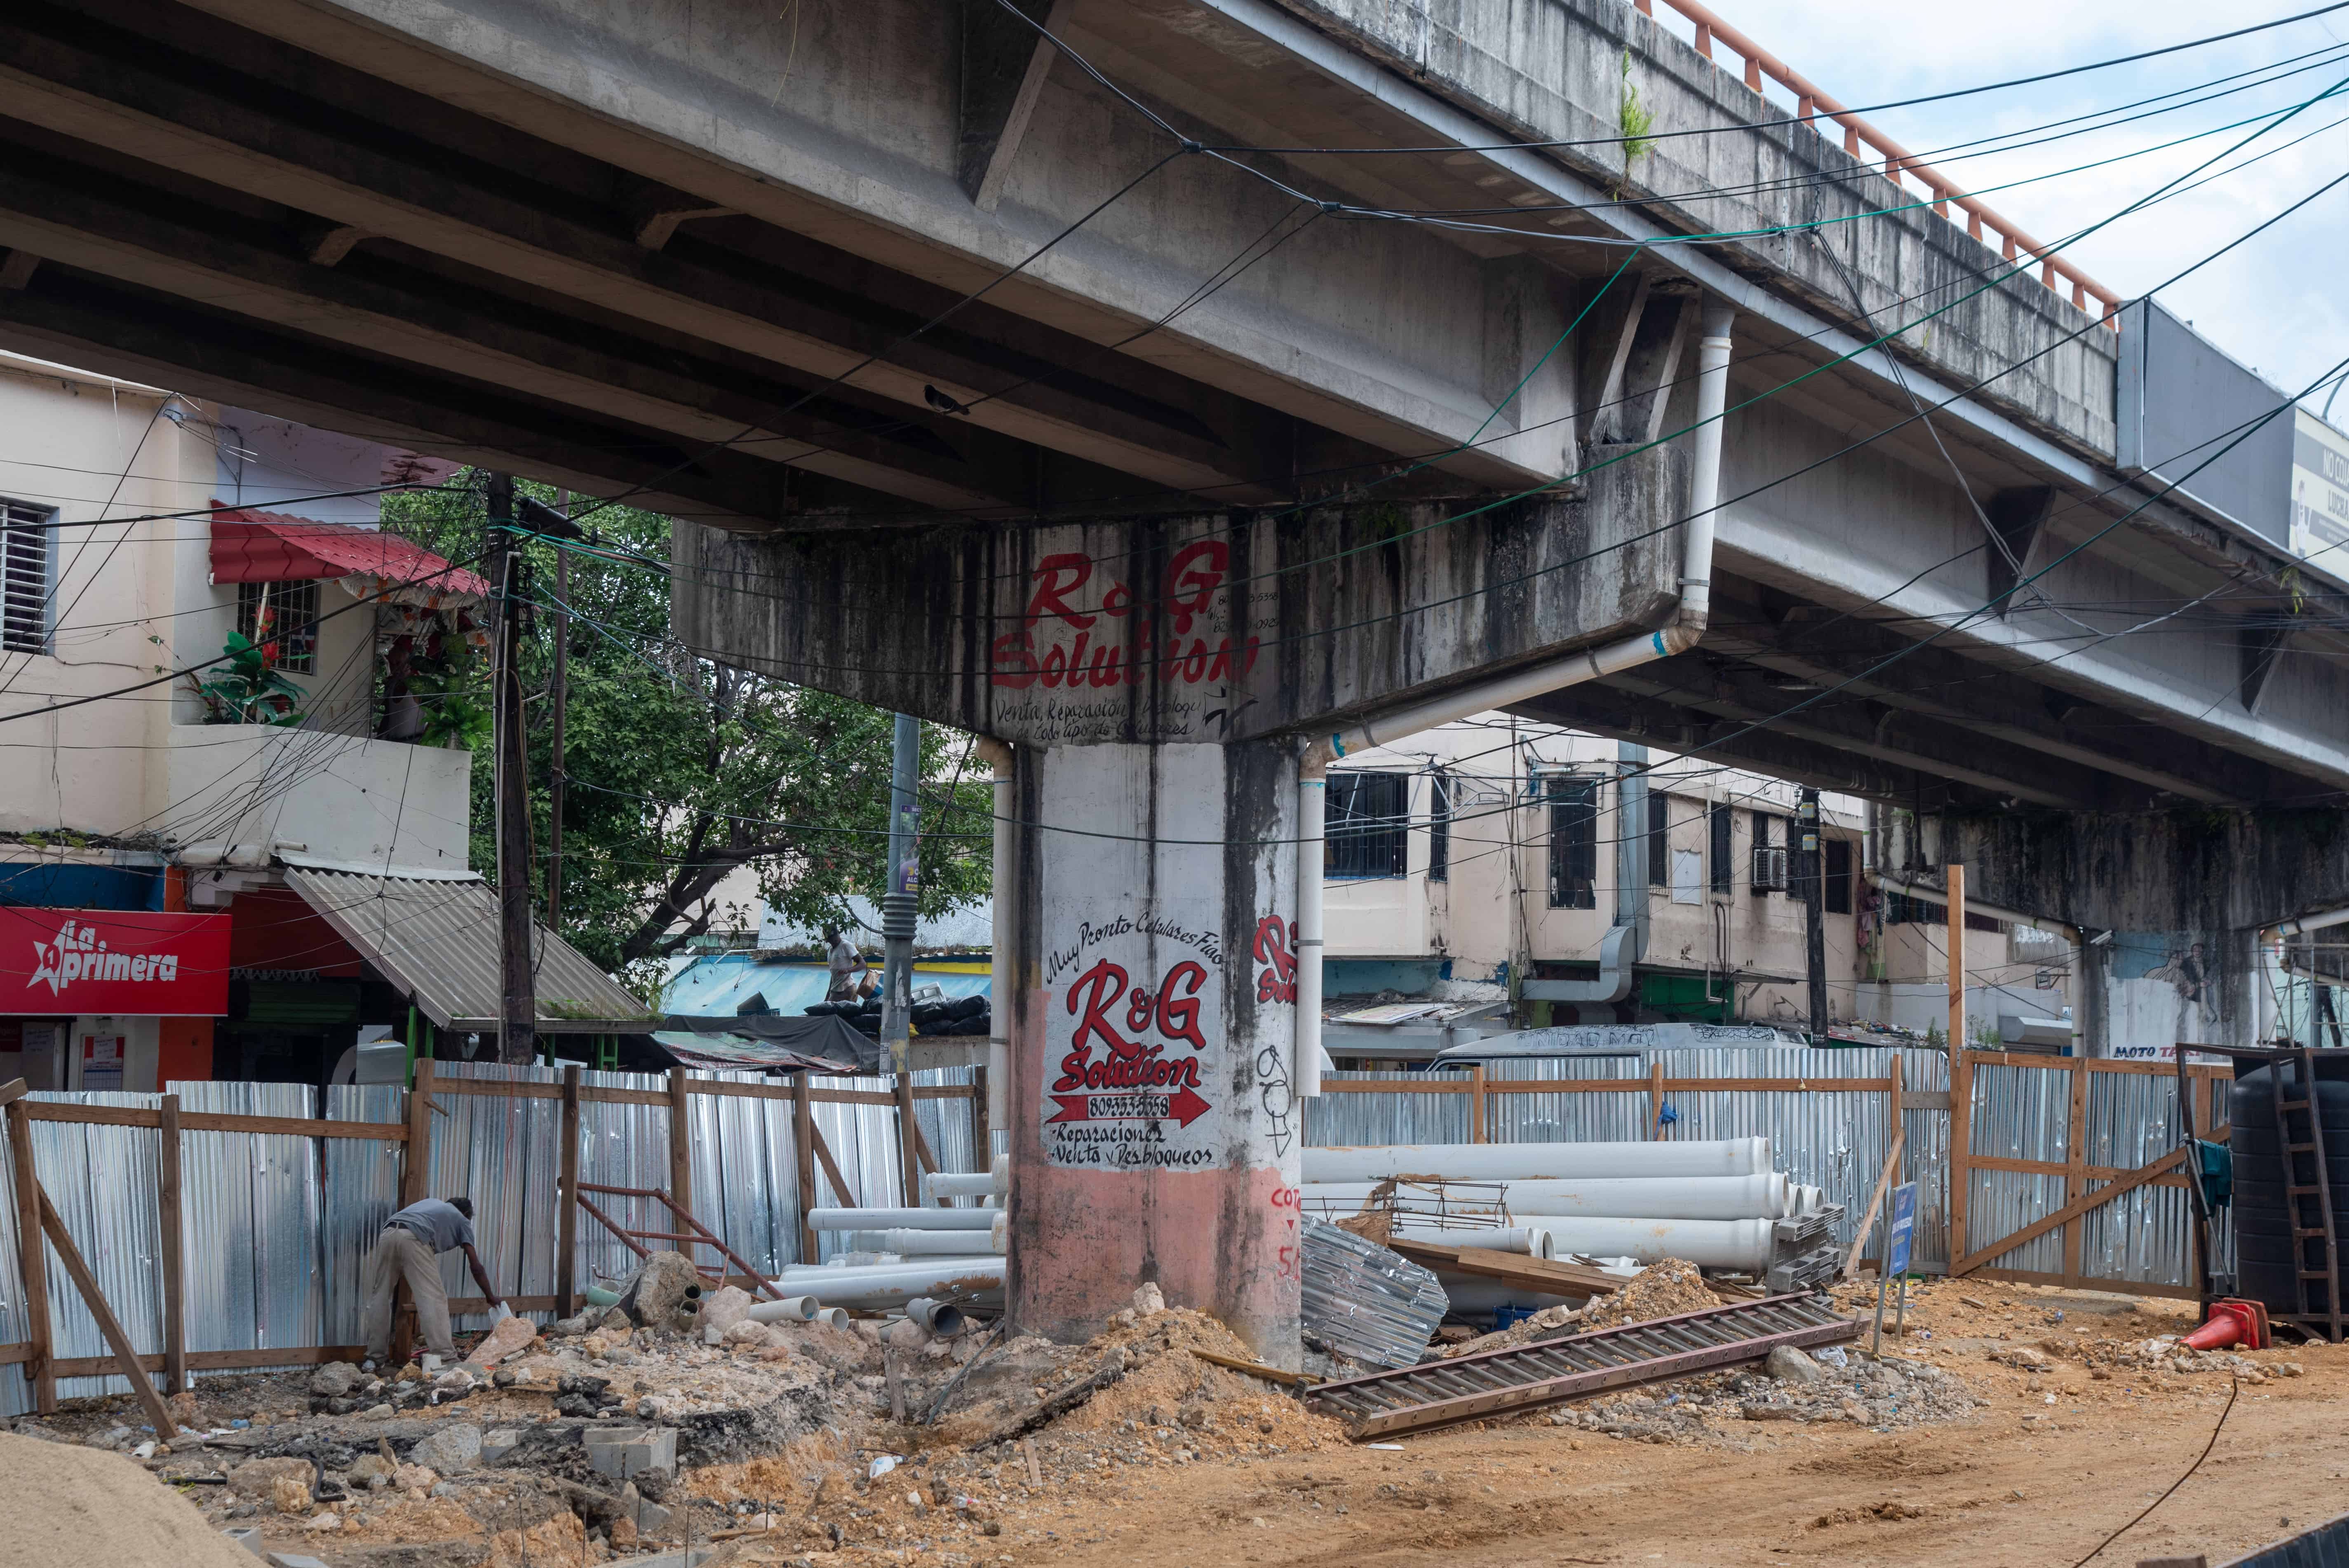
682,772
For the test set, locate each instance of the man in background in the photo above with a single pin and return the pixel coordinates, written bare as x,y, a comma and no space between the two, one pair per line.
411,1248
849,971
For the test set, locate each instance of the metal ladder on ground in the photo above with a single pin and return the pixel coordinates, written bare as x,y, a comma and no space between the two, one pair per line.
1551,1371
2297,1196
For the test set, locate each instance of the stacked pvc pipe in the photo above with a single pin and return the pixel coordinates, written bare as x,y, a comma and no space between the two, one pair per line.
1767,1194
1537,1161
911,1255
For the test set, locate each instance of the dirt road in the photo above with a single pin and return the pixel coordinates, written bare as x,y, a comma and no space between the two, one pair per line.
2021,1483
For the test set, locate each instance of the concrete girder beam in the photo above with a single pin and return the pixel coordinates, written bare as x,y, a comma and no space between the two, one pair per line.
81,319
926,460
1886,735
882,186
1220,627
1935,684
175,124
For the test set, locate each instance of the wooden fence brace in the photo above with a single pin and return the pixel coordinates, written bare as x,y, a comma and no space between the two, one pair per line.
909,1136
175,1319
803,1149
566,1228
680,1140
126,1358
33,1260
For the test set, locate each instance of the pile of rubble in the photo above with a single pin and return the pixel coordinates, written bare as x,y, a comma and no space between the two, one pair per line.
1665,1289
1835,1385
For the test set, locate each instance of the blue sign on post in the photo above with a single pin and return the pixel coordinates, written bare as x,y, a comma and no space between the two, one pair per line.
1904,1229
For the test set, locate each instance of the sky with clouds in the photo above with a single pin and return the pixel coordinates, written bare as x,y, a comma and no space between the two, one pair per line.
2280,303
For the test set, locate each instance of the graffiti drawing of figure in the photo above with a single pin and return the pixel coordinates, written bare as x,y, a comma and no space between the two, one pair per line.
2188,971
1273,1093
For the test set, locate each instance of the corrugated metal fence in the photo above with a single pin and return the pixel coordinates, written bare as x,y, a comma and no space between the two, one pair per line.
1837,1139
276,1228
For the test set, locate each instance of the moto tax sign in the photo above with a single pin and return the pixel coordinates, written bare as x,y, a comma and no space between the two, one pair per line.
122,962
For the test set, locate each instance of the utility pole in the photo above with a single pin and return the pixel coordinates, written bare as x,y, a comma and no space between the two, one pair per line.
904,882
517,1008
557,699
1810,865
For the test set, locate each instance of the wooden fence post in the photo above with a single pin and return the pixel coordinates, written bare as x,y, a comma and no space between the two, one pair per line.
804,1148
2075,1167
1656,1100
1962,1142
681,1141
1476,1103
175,1317
982,1141
566,1228
909,1161
32,1262
414,1185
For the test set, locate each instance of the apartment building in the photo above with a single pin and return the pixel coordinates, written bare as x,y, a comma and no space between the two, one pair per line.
234,817
1493,853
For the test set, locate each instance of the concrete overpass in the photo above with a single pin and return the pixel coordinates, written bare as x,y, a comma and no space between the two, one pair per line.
1263,467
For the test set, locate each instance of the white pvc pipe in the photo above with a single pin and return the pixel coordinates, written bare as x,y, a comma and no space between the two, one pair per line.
942,1318
923,1243
791,1309
902,1220
1742,1245
834,1317
1765,1194
1531,1239
1536,1161
1312,803
1809,1200
2317,922
937,1184
892,1285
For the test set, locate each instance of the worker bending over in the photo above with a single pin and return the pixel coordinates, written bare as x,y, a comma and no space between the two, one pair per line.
411,1249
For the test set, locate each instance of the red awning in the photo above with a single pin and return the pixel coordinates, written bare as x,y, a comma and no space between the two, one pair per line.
251,546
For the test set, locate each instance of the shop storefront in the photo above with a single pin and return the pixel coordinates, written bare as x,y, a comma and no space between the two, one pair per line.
109,998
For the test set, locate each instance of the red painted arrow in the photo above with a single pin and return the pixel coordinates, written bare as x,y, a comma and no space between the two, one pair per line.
1183,1107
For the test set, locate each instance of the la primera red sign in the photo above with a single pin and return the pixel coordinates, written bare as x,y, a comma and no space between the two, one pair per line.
135,963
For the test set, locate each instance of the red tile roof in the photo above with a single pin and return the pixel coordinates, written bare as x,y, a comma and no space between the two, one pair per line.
254,546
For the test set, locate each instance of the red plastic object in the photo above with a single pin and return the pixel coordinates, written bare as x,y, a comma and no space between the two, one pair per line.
2231,1321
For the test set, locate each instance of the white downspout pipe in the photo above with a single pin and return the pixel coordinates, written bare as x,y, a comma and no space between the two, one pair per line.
2305,922
1312,802
1003,974
1676,635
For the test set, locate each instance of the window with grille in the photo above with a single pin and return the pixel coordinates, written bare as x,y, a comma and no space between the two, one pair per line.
1724,872
292,612
1834,890
1659,839
24,554
1573,843
1439,827
1365,829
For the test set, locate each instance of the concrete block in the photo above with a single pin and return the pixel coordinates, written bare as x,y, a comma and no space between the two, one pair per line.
622,1451
294,1560
691,1557
497,1445
245,1535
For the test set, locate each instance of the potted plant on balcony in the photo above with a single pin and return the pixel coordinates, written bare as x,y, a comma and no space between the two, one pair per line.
247,687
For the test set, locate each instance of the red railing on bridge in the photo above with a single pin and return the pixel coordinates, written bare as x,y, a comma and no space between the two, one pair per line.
1811,103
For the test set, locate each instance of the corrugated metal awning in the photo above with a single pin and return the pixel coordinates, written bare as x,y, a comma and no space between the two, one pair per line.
436,940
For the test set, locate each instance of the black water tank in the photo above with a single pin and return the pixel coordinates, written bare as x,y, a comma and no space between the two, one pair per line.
2265,1262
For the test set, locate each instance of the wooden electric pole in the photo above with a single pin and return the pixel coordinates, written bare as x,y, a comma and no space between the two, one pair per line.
1810,855
558,698
518,1006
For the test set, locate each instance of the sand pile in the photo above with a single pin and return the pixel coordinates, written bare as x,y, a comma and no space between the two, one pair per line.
73,1507
1665,1289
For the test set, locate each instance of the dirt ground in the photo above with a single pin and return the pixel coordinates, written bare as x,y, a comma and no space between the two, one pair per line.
1182,1462
2023,1481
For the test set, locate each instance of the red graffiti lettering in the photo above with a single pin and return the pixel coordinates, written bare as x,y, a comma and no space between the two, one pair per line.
1288,1198
1289,1264
1049,595
1103,984
1278,982
1015,663
1178,1017
1192,578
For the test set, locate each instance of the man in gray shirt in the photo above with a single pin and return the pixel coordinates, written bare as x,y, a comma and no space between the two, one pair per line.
411,1249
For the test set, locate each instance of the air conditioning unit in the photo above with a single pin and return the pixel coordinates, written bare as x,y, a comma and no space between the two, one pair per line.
1769,869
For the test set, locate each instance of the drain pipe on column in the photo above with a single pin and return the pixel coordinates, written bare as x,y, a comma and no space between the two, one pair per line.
1003,973
1676,635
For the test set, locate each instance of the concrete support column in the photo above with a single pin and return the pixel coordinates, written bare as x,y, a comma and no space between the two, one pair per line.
1155,1129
